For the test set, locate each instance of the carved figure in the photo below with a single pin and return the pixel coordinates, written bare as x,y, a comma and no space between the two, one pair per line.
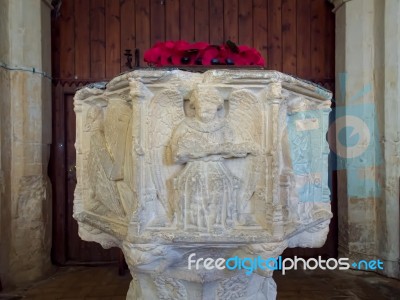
192,157
109,175
206,189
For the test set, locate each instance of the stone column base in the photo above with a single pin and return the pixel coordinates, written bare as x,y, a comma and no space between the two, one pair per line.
145,286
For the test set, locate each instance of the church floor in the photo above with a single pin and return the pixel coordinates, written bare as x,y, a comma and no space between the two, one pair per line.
105,283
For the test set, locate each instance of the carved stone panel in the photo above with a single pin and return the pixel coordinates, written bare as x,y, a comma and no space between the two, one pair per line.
229,161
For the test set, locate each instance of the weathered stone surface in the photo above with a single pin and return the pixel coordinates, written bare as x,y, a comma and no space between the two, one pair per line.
31,235
25,137
367,64
218,164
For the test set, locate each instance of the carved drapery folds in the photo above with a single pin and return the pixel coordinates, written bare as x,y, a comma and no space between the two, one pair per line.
229,161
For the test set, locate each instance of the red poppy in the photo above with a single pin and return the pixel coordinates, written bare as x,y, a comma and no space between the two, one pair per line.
199,45
181,46
153,56
208,54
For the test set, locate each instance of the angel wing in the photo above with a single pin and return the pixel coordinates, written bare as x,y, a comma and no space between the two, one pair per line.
166,112
245,118
104,190
117,120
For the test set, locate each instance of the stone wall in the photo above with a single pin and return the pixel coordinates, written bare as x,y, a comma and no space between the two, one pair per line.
25,116
367,68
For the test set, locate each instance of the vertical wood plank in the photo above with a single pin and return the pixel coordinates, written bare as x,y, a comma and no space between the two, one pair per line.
67,44
73,243
260,27
187,20
172,20
217,22
55,47
202,24
231,20
97,40
58,172
274,35
142,10
245,23
82,40
128,32
329,33
157,21
113,36
303,39
318,25
289,36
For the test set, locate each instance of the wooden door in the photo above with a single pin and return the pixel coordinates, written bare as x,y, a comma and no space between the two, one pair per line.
88,41
68,247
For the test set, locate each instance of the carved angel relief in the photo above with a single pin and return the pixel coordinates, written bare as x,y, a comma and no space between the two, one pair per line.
196,147
179,155
207,191
109,160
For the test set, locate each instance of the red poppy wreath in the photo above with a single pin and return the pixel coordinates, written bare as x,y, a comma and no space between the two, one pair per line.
178,53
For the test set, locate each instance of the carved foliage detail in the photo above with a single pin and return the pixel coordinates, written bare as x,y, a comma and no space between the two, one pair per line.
170,288
233,288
